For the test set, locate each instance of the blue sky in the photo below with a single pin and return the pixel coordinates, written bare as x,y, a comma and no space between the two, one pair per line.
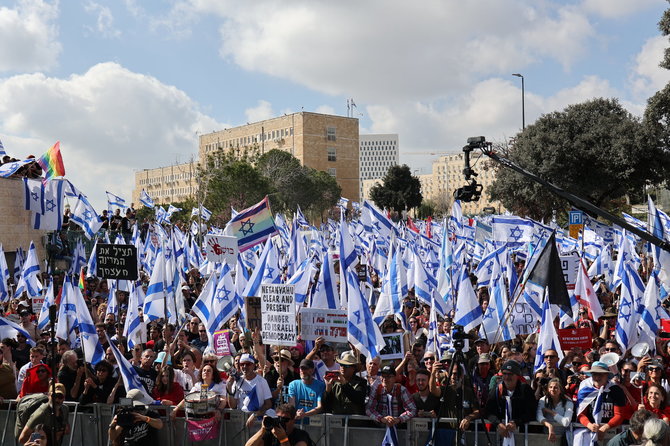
128,84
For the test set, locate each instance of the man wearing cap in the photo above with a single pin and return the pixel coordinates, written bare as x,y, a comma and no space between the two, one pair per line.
345,392
512,402
600,404
281,374
481,378
481,346
306,393
251,393
401,407
27,324
327,362
43,415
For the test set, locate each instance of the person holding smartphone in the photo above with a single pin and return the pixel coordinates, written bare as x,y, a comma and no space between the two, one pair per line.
345,392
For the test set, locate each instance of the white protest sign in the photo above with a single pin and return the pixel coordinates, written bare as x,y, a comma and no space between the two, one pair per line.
330,324
278,320
220,248
570,264
522,318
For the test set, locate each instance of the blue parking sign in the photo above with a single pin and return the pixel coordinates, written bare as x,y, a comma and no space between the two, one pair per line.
576,217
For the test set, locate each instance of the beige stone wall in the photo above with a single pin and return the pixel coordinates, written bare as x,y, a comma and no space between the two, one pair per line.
305,136
15,225
166,184
366,185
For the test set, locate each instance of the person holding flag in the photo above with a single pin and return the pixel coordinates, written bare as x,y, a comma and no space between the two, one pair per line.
251,393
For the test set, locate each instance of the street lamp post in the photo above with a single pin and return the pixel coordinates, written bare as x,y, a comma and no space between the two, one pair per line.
523,100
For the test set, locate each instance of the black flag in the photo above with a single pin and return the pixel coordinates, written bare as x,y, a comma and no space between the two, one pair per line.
547,273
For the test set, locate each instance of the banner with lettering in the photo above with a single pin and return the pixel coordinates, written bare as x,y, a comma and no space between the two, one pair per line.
319,322
278,320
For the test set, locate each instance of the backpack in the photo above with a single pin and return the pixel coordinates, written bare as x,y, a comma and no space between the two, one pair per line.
26,407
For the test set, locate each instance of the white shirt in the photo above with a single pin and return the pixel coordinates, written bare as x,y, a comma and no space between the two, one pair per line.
243,391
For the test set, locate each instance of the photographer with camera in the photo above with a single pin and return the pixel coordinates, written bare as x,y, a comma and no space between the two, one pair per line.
134,425
34,411
280,431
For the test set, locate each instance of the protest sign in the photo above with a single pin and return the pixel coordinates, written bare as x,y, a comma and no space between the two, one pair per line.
222,342
522,318
220,248
278,314
395,348
116,261
570,265
201,430
575,337
252,310
37,304
329,324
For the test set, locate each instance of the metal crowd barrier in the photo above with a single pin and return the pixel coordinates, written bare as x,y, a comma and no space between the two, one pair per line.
89,426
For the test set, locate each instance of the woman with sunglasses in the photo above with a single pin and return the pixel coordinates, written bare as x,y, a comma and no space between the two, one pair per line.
554,410
37,380
655,401
655,375
98,388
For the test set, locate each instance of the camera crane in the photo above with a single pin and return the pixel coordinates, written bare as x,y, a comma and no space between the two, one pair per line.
472,191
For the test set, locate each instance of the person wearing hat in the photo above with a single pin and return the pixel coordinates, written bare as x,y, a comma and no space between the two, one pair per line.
345,391
241,392
481,378
655,372
145,423
326,357
281,374
27,323
43,416
481,346
598,391
401,407
305,394
512,402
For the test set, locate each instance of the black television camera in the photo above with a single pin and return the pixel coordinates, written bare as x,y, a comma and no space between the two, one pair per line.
125,415
458,336
269,423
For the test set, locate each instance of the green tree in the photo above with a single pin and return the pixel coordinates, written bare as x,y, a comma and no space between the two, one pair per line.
290,181
325,192
596,150
400,189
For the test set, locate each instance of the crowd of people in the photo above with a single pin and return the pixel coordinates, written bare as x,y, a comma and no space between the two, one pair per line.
580,399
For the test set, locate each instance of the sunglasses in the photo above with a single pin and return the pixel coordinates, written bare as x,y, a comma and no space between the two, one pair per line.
430,358
654,369
550,356
611,349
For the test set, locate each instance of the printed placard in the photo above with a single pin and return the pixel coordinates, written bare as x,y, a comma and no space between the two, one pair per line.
222,342
116,261
278,318
220,248
318,322
575,337
252,310
395,347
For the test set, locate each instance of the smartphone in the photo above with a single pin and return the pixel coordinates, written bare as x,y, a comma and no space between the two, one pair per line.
332,375
35,436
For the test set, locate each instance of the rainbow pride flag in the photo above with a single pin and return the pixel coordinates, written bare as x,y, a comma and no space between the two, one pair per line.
52,162
82,280
253,225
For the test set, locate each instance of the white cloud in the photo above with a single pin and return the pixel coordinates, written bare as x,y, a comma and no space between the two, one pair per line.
261,112
104,21
647,76
109,120
618,8
29,36
326,110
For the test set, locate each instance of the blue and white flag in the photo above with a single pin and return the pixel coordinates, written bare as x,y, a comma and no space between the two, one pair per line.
661,256
49,300
2,149
547,339
131,380
154,302
224,303
394,288
632,295
651,311
9,329
342,203
33,192
74,314
205,213
115,201
9,169
302,279
171,210
468,311
4,276
29,281
348,256
362,331
203,305
52,217
92,265
86,217
135,328
325,291
433,341
266,270
300,217
146,200
381,225
512,230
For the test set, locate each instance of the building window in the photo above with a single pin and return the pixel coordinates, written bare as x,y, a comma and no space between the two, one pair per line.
332,154
332,171
331,134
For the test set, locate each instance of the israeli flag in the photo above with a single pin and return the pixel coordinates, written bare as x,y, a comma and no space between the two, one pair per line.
394,288
92,265
154,302
135,328
29,281
77,315
224,304
33,191
380,224
52,217
205,213
171,210
547,339
632,295
9,169
512,230
2,149
203,305
325,291
131,379
651,311
302,279
9,329
4,276
146,200
300,217
115,200
266,270
86,217
362,331
468,311
43,318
